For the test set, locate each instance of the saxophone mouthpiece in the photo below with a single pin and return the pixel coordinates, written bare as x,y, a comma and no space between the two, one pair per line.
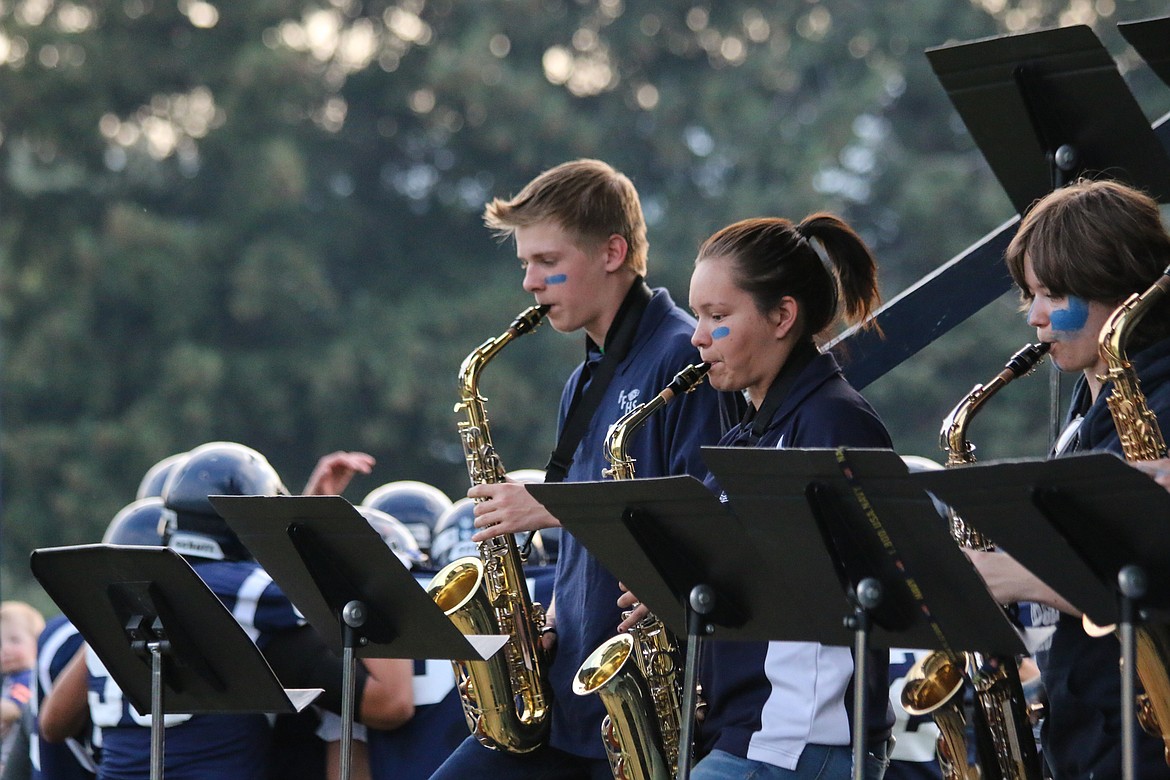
686,380
1028,358
528,319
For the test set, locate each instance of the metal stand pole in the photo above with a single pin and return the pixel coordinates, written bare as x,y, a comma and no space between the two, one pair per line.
869,595
701,603
157,725
1132,582
353,616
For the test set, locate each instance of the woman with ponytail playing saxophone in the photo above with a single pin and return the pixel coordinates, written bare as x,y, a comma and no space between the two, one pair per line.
1079,253
762,296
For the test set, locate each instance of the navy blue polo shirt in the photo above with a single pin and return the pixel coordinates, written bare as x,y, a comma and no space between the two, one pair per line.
667,444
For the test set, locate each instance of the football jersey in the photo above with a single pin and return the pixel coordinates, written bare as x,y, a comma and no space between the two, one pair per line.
227,747
72,759
417,748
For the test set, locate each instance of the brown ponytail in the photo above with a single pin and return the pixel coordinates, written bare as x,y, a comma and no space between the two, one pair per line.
773,258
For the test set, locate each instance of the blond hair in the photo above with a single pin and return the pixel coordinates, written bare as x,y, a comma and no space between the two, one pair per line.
588,198
24,614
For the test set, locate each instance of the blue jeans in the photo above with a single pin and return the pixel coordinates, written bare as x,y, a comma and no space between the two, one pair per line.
817,762
472,759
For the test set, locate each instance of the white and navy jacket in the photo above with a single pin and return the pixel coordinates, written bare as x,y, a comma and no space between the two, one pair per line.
767,700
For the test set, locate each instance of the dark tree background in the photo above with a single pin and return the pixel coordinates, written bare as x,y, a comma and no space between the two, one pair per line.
260,221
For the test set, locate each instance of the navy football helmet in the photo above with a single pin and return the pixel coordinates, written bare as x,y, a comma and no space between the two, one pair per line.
416,505
396,536
216,468
453,534
156,476
137,523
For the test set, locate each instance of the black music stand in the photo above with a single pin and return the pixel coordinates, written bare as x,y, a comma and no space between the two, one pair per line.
756,575
670,541
857,509
166,639
1090,526
348,584
805,509
1048,106
1151,39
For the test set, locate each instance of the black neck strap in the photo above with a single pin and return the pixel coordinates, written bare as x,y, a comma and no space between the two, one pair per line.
585,401
802,354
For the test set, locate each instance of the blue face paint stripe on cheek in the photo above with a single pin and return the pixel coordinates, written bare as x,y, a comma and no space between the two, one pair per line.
556,279
1073,318
720,332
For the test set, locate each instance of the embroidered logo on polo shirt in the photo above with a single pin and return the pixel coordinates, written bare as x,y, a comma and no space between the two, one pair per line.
628,400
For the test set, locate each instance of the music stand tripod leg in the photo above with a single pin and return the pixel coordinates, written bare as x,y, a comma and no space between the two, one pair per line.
700,603
868,597
1132,583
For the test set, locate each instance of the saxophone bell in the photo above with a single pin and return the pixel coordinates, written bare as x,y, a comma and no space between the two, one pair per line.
611,671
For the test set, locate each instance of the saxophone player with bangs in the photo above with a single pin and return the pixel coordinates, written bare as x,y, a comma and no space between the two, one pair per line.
1079,253
581,239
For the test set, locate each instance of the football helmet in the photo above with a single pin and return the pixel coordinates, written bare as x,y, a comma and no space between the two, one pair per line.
396,536
917,463
453,532
416,505
526,475
156,476
137,523
216,468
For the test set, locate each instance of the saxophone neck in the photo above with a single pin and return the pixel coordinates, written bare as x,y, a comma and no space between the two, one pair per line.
1124,320
952,438
473,365
953,435
617,440
621,465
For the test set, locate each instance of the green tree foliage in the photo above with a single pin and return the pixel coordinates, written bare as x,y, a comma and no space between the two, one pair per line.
260,221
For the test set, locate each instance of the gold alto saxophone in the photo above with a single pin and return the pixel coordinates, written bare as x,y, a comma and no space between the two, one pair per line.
1141,439
638,674
1005,747
505,699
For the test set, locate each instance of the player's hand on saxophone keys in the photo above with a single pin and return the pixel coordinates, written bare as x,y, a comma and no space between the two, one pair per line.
637,610
507,508
1159,470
